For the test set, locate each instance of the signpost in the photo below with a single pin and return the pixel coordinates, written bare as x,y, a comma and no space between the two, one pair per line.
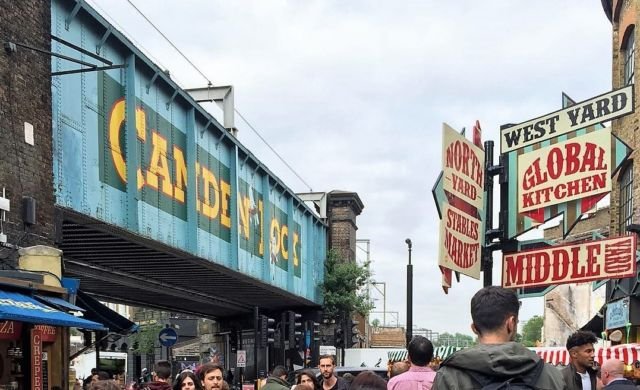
462,207
571,263
558,163
590,112
241,358
168,337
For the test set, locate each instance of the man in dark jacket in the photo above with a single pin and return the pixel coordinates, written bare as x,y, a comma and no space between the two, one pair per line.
277,380
161,376
497,358
612,376
580,374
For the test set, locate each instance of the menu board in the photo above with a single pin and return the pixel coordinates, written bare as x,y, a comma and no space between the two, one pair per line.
45,371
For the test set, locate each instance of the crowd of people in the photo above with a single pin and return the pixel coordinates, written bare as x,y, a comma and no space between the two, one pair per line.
496,362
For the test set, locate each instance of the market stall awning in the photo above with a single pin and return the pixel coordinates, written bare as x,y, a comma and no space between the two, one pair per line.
628,353
59,303
20,307
96,311
438,352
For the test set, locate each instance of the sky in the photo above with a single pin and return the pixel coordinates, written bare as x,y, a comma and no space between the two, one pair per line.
353,95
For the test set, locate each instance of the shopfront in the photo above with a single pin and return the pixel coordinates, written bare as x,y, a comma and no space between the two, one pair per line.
34,336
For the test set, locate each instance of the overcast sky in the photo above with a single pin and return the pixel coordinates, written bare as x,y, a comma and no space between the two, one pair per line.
353,94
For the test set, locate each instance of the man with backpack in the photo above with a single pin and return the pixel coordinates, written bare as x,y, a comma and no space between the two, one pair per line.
497,362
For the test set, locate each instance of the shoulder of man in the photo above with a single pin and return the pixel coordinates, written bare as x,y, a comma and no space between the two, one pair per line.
551,378
341,383
452,378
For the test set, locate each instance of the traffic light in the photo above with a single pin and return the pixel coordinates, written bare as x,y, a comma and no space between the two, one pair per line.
355,332
233,341
267,330
295,328
338,336
315,332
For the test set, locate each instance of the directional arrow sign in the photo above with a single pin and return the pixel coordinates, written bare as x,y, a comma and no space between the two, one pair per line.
168,337
462,206
567,175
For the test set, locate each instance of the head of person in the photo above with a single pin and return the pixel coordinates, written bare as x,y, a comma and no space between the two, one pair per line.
94,378
307,378
210,376
420,351
368,380
348,377
327,363
398,368
162,371
103,376
187,380
279,372
494,312
610,370
581,351
107,384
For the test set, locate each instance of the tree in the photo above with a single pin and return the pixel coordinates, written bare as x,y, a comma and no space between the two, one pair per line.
342,287
454,340
375,323
532,331
144,341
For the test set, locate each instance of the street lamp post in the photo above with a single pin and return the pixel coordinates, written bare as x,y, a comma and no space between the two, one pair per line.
409,333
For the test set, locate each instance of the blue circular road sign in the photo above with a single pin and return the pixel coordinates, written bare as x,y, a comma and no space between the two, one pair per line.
168,337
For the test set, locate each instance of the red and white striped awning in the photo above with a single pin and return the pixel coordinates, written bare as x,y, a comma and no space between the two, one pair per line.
627,353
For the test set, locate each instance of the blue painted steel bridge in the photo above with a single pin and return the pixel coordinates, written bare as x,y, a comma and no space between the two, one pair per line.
159,205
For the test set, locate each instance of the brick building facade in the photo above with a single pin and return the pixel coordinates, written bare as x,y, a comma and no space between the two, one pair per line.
624,15
25,97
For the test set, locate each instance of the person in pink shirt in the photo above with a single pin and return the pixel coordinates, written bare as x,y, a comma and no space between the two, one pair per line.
419,376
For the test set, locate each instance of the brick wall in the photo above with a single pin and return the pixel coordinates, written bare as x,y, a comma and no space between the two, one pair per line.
25,96
342,210
597,221
626,127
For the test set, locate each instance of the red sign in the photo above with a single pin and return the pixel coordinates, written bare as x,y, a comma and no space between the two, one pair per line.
36,359
461,235
48,333
573,169
612,258
10,330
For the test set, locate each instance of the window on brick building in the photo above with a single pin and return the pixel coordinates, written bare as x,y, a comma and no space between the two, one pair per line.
625,210
629,57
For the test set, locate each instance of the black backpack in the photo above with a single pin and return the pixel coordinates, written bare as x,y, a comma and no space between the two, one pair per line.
527,381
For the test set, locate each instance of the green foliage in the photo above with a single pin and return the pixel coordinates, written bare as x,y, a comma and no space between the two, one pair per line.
455,340
375,323
342,287
532,331
144,341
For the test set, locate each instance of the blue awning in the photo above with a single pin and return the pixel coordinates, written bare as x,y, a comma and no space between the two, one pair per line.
59,303
20,307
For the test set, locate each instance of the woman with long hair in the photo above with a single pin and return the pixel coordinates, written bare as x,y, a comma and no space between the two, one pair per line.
187,380
307,378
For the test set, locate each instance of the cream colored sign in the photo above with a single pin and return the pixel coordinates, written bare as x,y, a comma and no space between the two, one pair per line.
463,167
460,248
599,109
611,258
569,170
